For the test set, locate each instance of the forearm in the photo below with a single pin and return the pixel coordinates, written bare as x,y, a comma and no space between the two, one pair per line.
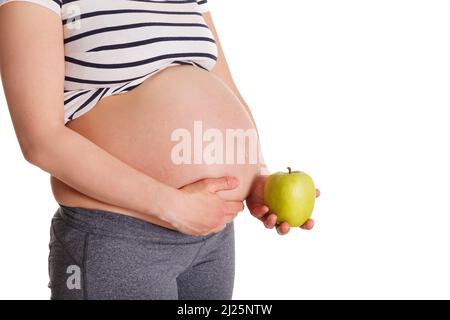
222,70
236,91
224,73
91,170
264,169
33,73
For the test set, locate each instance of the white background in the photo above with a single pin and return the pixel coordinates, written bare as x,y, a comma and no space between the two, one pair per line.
356,93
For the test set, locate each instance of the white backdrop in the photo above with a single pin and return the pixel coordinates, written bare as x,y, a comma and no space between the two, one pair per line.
354,92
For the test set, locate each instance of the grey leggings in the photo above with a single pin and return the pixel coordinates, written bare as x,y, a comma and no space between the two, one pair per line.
96,254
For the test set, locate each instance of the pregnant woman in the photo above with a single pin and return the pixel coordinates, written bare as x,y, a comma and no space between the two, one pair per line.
129,105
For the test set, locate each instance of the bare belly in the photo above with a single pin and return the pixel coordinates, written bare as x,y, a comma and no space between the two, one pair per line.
180,126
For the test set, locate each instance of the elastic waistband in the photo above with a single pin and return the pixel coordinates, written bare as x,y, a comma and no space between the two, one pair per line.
116,224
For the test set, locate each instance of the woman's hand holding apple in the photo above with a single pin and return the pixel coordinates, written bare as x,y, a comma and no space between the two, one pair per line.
256,204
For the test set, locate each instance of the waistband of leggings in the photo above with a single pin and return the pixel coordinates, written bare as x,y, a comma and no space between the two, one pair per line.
116,224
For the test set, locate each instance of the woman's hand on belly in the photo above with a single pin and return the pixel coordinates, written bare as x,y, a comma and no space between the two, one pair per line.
200,211
256,206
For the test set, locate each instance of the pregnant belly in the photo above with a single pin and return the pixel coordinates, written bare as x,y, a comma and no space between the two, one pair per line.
179,126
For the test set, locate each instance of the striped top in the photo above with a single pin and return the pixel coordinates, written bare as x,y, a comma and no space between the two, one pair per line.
112,46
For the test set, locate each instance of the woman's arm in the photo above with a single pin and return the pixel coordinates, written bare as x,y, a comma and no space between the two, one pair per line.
255,201
221,69
32,69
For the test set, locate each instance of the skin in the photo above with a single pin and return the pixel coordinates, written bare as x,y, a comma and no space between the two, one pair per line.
32,55
255,201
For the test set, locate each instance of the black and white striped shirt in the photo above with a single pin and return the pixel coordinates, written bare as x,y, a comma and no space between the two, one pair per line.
112,46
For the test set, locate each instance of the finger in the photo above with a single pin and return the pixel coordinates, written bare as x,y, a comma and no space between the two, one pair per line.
308,225
216,230
283,228
317,193
270,221
234,207
229,217
220,184
258,210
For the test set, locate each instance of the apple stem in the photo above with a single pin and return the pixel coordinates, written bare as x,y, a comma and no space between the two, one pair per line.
290,170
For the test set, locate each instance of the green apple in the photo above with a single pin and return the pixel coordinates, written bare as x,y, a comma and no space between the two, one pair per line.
291,196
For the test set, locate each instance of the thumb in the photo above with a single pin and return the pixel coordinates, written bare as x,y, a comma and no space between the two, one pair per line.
219,184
